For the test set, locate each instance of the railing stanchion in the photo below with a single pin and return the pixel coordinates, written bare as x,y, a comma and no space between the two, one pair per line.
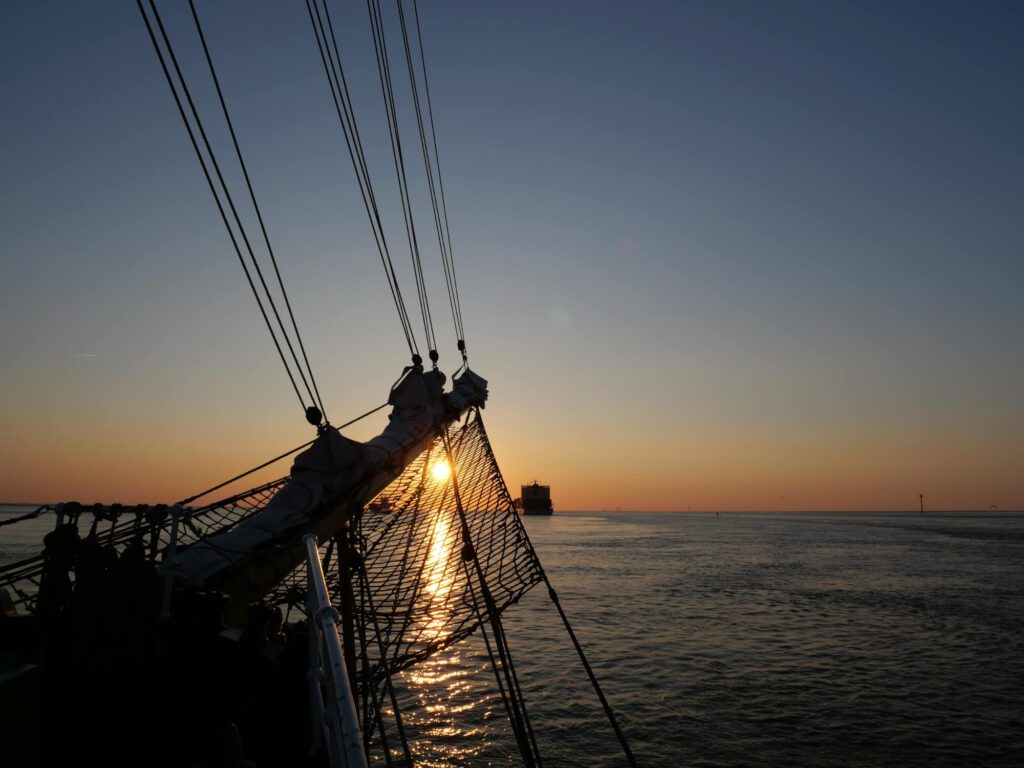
341,722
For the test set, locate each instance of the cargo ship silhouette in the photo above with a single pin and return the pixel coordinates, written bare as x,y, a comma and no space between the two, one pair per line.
535,499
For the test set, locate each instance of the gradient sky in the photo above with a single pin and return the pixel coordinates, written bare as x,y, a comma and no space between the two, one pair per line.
715,255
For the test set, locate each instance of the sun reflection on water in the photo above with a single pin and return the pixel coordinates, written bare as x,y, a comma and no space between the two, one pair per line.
438,584
451,716
438,577
449,708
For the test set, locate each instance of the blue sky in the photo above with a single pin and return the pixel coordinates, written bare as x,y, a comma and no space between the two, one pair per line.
711,254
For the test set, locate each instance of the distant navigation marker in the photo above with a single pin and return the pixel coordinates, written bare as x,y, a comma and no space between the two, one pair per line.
920,498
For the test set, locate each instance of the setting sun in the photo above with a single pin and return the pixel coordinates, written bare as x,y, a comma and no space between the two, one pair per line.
441,471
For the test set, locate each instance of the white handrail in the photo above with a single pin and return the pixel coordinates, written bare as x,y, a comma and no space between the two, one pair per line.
341,723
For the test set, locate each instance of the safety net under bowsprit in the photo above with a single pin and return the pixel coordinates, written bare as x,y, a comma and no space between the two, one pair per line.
431,556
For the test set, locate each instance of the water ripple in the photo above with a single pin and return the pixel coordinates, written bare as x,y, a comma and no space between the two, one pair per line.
794,640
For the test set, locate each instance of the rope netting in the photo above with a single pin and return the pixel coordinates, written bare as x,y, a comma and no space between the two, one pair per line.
115,527
405,561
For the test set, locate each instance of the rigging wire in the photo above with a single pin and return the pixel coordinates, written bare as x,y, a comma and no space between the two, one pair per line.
366,595
501,665
314,413
345,110
350,129
440,181
387,89
327,44
337,57
609,712
314,393
440,214
206,172
284,455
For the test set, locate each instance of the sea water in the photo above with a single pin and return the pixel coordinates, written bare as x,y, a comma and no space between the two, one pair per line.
756,640
747,640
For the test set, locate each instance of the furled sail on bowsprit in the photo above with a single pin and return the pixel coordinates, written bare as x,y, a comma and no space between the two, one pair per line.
329,483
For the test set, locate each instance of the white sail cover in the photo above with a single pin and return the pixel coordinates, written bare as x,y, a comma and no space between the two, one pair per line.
335,471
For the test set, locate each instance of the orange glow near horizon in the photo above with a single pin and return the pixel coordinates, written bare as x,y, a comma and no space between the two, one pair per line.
593,453
634,467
